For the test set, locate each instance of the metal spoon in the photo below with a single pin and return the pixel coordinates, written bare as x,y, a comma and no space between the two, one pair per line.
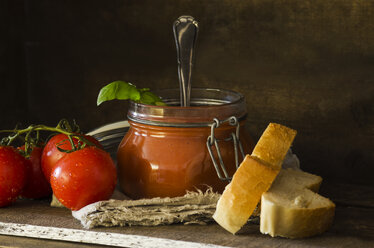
185,33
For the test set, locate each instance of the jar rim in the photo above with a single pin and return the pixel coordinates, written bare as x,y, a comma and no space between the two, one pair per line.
231,96
207,104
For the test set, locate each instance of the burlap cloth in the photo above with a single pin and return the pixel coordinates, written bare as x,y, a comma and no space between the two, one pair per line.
192,208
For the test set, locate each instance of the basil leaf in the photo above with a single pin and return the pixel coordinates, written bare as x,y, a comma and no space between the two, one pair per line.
147,97
118,90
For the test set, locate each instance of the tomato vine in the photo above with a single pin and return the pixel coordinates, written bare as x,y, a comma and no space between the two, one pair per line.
31,137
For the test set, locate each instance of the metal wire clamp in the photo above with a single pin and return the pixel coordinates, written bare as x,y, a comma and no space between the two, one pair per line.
212,140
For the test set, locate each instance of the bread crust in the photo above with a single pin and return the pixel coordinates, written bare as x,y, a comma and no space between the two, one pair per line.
253,177
242,195
274,144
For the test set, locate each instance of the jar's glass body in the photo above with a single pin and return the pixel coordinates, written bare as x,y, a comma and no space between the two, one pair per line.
164,153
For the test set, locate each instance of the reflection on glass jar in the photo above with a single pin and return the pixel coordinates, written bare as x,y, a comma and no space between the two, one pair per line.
164,153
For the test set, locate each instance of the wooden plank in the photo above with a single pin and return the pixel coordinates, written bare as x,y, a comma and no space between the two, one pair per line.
353,227
18,242
93,237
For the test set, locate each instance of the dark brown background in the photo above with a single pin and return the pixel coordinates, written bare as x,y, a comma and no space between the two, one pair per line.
306,64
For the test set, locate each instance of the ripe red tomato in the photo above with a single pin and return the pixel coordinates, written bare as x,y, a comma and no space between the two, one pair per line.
12,174
37,185
51,154
83,177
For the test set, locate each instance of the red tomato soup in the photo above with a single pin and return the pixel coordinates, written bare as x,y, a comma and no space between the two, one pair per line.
165,151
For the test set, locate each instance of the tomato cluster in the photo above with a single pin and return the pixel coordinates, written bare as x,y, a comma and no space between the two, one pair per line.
76,177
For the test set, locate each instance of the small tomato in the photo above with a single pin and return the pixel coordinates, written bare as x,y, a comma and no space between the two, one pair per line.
12,175
51,154
37,185
83,177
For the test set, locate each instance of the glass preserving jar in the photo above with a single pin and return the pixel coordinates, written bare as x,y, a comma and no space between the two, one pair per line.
166,150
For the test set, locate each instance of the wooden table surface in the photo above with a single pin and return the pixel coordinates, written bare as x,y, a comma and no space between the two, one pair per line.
353,227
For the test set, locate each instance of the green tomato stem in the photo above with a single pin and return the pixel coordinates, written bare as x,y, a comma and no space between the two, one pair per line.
63,127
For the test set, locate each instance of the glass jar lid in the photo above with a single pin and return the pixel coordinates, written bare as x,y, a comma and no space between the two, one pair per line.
206,104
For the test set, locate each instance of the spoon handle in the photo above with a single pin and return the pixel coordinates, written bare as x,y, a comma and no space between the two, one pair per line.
185,33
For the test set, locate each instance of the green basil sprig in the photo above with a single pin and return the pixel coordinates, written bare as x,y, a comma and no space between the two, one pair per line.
126,91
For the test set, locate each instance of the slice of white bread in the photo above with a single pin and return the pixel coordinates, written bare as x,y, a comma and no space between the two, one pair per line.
292,209
253,177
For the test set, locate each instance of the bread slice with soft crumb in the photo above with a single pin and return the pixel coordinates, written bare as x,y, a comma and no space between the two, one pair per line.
291,208
297,178
253,177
